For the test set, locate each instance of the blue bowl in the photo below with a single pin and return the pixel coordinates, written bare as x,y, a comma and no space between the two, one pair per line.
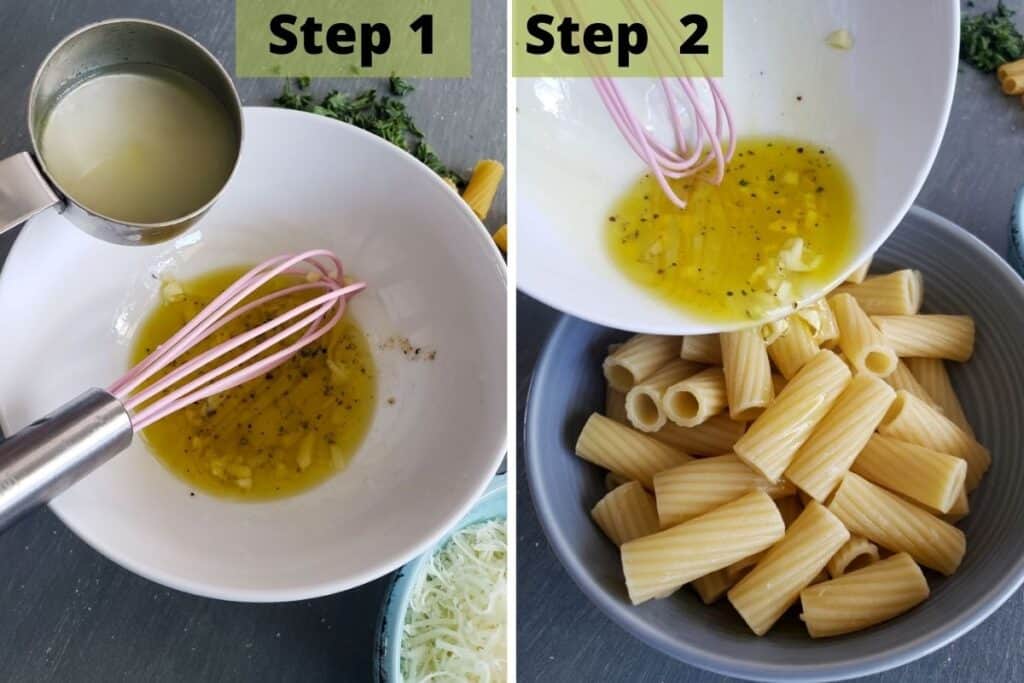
388,662
962,275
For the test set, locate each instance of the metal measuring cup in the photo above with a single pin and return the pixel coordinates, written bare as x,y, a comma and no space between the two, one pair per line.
27,187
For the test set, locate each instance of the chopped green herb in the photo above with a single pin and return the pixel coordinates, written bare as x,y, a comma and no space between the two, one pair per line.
302,82
990,39
399,86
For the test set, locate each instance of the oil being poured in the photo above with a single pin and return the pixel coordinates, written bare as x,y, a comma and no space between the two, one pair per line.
144,144
279,434
781,224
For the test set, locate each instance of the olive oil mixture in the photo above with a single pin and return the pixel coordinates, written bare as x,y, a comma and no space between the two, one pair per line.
782,222
274,436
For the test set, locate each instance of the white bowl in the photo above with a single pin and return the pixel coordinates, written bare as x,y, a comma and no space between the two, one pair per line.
303,181
882,106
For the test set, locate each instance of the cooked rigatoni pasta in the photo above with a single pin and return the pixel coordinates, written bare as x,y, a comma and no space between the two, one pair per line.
626,513
714,437
821,321
931,478
692,401
790,508
861,272
773,439
860,599
886,519
834,444
483,185
713,586
898,293
861,342
615,404
657,565
856,553
702,348
911,419
928,336
763,595
623,450
644,408
903,378
637,358
793,348
613,481
748,373
961,508
773,330
703,484
932,375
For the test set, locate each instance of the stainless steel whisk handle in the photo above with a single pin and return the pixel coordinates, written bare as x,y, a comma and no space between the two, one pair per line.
51,454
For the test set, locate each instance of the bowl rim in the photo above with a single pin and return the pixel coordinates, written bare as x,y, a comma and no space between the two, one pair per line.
629,618
217,591
688,325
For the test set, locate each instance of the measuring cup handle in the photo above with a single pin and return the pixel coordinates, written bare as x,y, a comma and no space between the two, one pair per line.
24,191
53,453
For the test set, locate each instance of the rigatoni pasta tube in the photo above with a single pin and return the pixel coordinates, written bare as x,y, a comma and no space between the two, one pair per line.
613,481
615,404
861,342
702,348
644,408
961,508
790,508
860,599
713,586
637,358
856,553
697,398
483,185
658,564
911,419
703,484
903,378
625,451
898,293
861,272
893,523
793,348
928,336
822,322
834,444
714,437
932,375
763,595
626,513
921,474
748,373
773,439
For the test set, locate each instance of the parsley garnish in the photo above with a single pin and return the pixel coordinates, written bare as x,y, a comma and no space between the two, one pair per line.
989,40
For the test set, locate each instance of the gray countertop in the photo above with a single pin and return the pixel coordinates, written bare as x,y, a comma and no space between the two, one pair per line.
562,637
69,614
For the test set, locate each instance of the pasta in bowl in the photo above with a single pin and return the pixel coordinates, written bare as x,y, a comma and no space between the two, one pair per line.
827,492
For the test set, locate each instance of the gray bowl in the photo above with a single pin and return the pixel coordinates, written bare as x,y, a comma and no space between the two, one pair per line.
962,275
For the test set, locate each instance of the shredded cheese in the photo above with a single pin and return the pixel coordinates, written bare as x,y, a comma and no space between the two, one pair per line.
455,624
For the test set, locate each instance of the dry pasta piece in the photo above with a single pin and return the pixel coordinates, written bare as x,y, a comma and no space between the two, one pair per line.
483,185
893,523
613,481
911,419
748,373
790,508
615,404
932,375
773,439
703,484
821,321
793,348
861,599
626,513
638,358
711,587
714,437
697,398
834,444
855,554
657,565
898,293
501,238
861,342
763,595
903,378
928,336
928,477
625,451
861,272
702,348
644,407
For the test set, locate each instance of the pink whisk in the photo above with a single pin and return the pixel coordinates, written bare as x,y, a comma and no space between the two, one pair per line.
691,157
50,454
